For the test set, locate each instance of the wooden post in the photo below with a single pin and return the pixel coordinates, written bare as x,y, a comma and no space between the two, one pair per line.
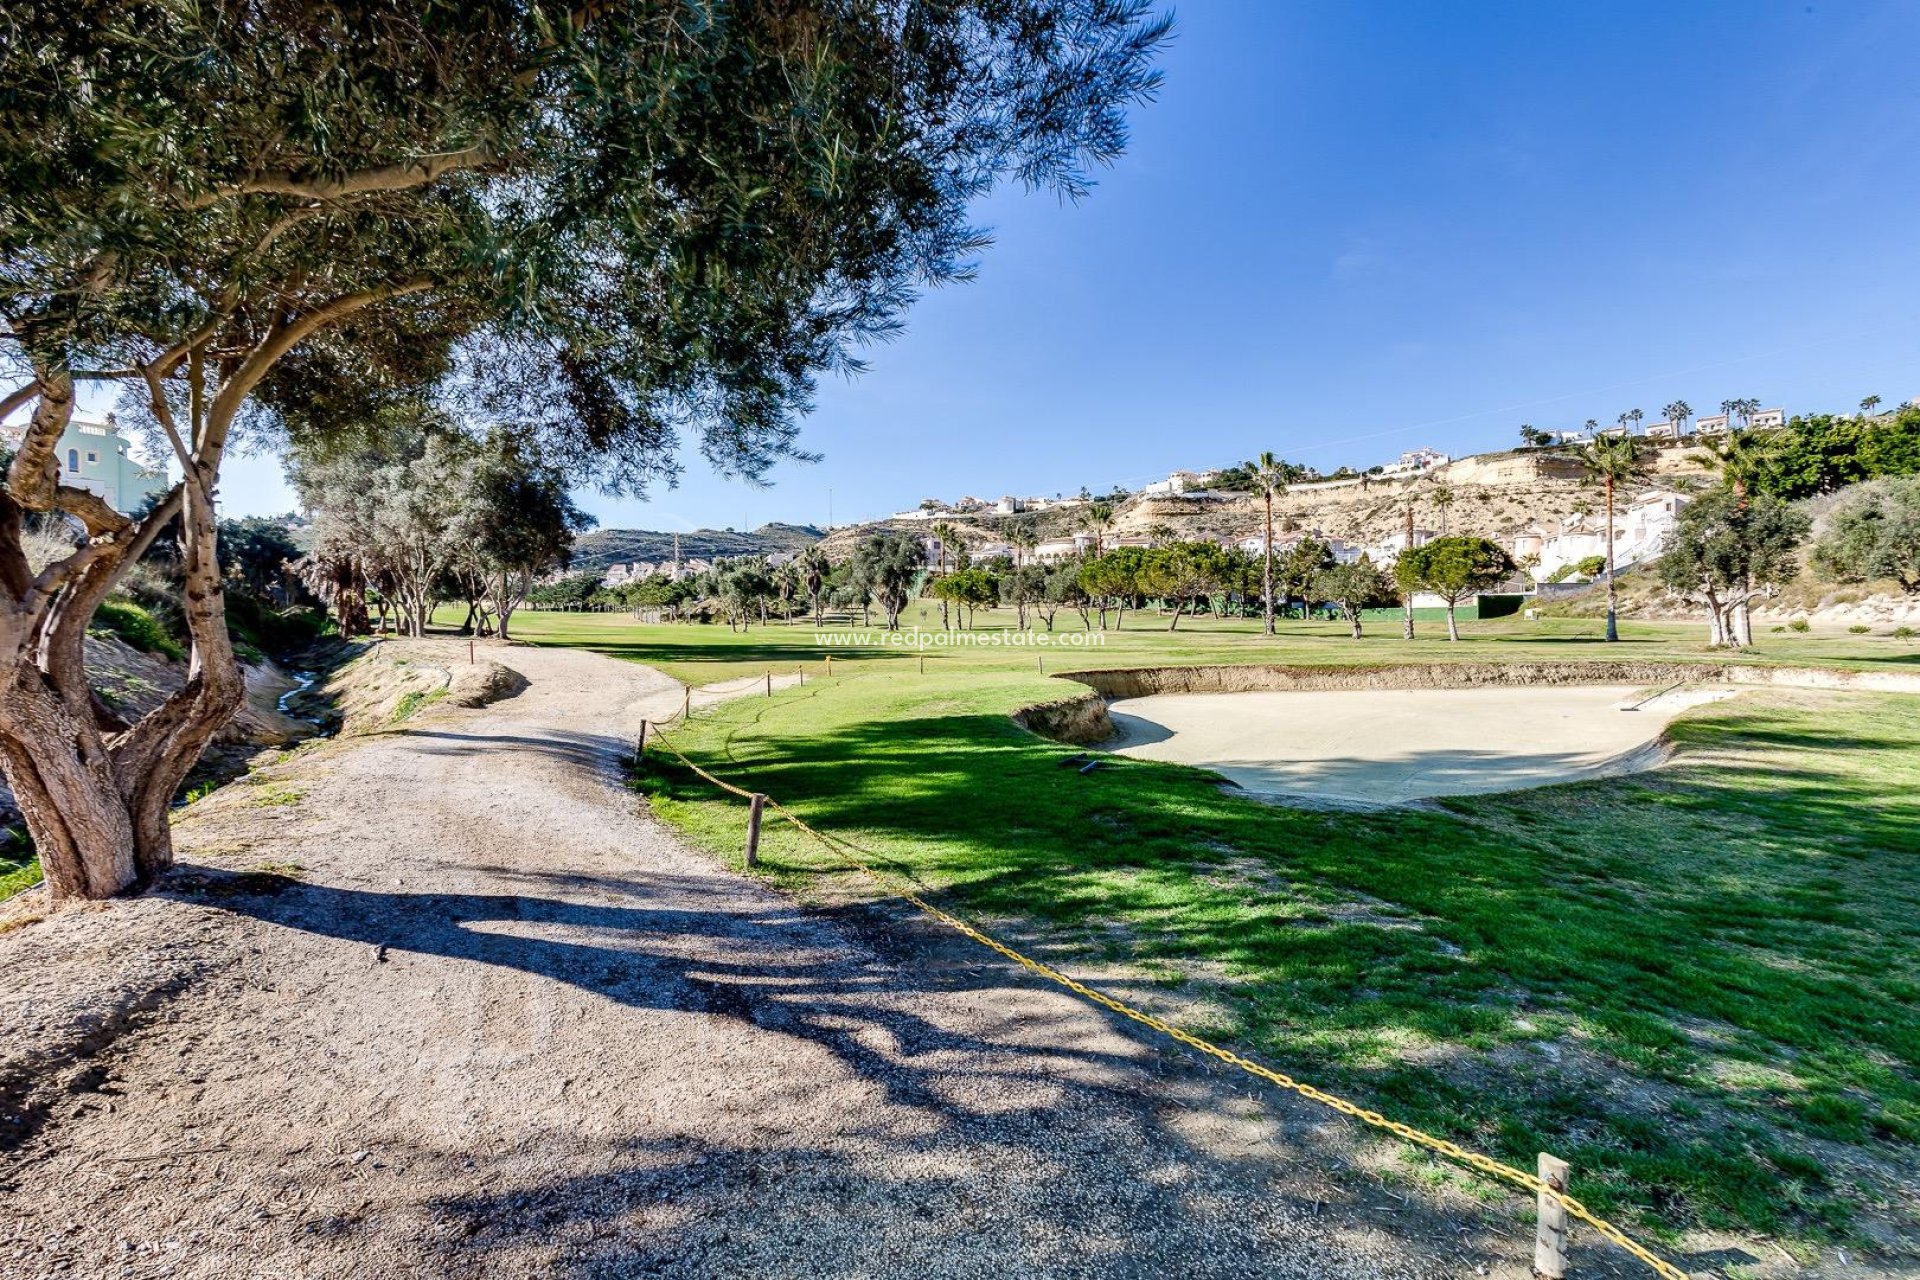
829,664
1550,1232
769,684
923,664
754,806
640,752
686,704
469,650
1040,663
800,676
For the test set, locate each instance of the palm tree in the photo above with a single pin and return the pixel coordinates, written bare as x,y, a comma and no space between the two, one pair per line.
1096,520
1271,475
814,568
1868,405
1678,413
1531,436
1633,417
1742,456
1443,498
947,534
1023,539
1609,462
1740,412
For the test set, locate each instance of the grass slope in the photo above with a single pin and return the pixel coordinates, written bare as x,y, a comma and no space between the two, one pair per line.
1699,985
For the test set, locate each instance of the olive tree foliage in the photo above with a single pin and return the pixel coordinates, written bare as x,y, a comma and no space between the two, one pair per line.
1352,588
389,506
646,220
1874,532
413,505
1729,549
884,566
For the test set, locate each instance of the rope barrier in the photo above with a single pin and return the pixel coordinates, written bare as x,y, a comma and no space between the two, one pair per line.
1440,1146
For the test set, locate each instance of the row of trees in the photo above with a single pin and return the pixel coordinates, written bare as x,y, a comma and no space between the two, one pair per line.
412,511
886,571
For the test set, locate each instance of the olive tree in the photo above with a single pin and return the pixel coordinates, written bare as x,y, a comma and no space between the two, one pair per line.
885,566
1351,588
1729,549
642,220
1873,533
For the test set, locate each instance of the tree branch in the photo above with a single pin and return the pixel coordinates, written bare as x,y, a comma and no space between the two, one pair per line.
388,177
281,339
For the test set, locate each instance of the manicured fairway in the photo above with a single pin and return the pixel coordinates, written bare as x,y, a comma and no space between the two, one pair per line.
1700,984
708,652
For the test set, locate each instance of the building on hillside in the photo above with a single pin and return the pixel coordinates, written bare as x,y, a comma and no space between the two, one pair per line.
1009,505
1054,550
1388,549
1769,418
1711,425
1641,528
1663,431
1416,460
1177,483
94,456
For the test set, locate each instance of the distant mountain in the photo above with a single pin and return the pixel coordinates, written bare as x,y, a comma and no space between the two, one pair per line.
604,547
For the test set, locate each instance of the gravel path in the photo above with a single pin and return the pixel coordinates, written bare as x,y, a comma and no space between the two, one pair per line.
501,1023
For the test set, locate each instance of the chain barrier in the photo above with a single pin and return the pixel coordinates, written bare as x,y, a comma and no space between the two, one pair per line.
1440,1146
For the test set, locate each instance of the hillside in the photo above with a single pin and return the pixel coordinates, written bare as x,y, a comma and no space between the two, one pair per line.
1493,495
604,547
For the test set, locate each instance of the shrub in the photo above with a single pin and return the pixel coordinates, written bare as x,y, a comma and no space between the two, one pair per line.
1904,633
1801,625
1858,630
137,627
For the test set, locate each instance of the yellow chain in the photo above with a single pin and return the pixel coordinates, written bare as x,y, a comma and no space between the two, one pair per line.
1440,1146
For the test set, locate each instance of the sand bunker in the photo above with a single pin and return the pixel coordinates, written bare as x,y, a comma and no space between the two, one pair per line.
1390,746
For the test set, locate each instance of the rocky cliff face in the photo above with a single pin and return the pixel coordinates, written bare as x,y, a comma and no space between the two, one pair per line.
1492,495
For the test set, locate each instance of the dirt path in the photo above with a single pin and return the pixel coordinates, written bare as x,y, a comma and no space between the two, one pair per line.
500,1023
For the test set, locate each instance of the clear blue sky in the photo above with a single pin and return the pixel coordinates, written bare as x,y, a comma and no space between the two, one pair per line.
1348,229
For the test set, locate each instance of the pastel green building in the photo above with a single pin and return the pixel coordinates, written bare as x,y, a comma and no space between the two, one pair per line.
94,455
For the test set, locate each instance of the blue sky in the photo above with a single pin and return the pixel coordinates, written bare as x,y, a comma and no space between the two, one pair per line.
1348,229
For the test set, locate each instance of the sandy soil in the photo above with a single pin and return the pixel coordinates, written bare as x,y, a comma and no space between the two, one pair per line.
1392,746
444,1001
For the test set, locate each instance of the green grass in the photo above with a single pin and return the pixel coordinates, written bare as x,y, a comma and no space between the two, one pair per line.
1698,985
411,701
19,869
705,653
18,877
140,629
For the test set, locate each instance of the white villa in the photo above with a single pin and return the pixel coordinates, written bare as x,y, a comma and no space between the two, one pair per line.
1179,483
1640,530
1415,461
